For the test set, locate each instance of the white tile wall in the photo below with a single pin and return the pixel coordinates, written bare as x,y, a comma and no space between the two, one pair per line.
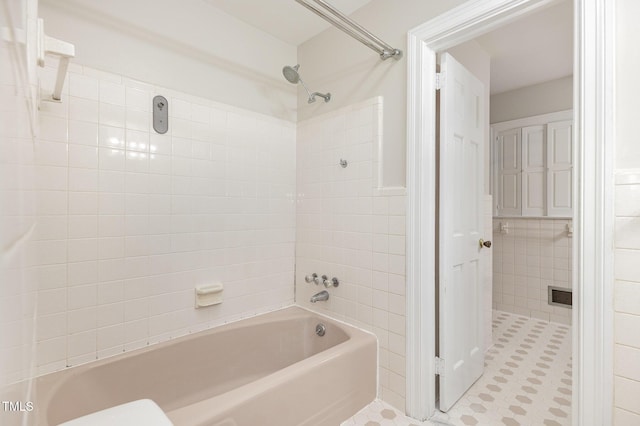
130,221
627,299
534,254
349,228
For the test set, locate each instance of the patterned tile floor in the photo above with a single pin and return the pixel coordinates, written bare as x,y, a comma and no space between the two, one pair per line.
379,413
527,381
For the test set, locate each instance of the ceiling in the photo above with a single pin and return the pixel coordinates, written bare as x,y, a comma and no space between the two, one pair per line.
531,50
283,19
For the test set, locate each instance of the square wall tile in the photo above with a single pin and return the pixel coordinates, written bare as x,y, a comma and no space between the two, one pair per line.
129,221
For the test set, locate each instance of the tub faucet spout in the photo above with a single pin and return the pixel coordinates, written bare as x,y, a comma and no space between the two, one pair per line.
322,296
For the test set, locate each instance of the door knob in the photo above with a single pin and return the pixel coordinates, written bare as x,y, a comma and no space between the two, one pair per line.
484,243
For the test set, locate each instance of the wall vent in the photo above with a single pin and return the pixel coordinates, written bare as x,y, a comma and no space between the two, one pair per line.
559,296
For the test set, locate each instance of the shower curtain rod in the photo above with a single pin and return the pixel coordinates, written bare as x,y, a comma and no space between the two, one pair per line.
344,23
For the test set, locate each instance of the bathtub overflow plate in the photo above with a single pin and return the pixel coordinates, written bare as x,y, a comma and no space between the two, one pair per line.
321,329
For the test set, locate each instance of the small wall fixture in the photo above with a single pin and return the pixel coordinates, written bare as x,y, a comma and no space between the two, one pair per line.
64,51
559,296
569,229
504,227
160,114
209,294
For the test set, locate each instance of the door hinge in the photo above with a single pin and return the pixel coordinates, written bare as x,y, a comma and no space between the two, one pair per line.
439,80
439,364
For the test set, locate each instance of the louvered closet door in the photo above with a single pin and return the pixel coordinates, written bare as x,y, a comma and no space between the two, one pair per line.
533,171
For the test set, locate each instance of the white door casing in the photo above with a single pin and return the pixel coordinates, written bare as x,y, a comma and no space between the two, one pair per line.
461,336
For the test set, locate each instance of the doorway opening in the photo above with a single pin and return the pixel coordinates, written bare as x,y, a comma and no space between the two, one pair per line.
592,262
515,91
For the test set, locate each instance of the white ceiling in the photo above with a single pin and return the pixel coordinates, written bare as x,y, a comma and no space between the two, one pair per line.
531,50
284,19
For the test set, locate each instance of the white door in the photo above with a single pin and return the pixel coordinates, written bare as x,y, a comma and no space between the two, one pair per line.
462,129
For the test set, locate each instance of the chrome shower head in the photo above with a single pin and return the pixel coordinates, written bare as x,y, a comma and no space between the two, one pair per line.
291,74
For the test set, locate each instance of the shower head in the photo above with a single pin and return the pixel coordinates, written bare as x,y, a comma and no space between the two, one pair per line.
293,76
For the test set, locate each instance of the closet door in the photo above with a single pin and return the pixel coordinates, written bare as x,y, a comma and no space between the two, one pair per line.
533,171
560,170
509,157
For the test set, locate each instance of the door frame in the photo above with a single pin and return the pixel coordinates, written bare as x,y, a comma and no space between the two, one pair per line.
593,106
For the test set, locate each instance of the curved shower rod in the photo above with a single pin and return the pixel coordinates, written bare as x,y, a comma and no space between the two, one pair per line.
355,30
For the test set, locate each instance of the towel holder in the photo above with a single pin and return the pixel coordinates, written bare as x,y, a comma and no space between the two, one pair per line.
63,50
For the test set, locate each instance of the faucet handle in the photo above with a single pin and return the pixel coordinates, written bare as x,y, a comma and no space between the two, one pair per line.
333,283
313,278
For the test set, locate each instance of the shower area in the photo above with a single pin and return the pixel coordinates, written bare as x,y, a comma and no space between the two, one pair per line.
155,188
129,190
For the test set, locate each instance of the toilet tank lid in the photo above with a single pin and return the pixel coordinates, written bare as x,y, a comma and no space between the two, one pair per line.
143,412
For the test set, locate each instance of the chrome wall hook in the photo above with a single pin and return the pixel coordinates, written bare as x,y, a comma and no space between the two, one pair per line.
343,163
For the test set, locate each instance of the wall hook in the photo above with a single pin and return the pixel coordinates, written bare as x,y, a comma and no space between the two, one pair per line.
343,163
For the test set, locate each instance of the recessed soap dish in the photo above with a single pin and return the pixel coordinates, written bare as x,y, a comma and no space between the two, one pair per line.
208,295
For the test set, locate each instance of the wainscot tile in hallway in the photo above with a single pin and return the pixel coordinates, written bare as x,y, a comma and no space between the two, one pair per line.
527,377
529,256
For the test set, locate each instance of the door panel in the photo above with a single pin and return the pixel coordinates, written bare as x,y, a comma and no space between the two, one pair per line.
509,172
460,229
559,162
533,171
561,184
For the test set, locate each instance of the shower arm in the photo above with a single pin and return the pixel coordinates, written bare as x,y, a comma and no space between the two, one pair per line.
306,88
353,29
325,96
312,96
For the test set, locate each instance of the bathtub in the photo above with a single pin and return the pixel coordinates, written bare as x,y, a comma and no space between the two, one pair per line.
271,369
